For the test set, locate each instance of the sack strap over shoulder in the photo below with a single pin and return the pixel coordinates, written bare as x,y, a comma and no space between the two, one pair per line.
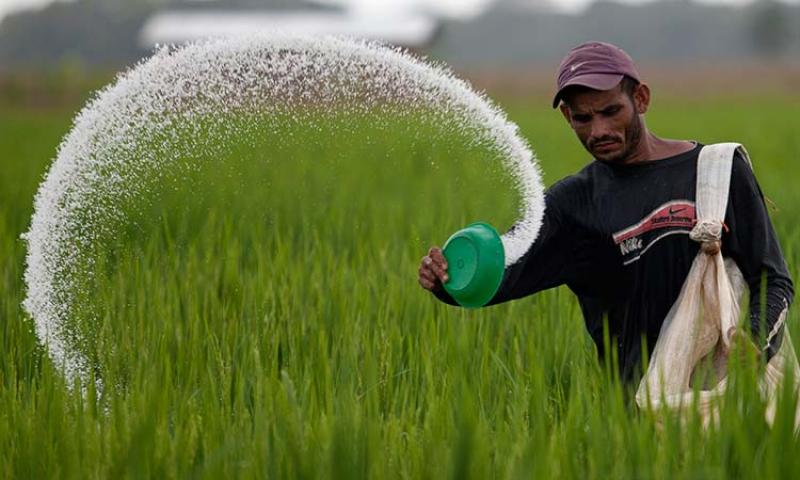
711,199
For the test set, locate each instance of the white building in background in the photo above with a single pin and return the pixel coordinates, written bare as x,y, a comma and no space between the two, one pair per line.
410,30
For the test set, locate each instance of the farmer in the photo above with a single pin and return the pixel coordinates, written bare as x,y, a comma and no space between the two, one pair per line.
617,232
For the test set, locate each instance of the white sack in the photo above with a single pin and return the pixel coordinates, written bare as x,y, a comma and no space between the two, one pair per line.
704,320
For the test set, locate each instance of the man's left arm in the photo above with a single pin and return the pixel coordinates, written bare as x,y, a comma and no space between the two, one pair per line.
751,242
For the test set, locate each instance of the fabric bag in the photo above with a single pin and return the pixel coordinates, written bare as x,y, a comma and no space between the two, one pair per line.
701,326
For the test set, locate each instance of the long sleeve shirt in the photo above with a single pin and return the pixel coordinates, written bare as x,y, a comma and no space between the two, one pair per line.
618,237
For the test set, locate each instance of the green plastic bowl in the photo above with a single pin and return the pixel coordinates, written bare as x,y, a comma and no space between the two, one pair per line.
475,264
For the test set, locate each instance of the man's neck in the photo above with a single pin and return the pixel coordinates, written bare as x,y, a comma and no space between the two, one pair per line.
653,148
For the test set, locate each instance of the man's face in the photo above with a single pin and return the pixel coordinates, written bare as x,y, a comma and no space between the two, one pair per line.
607,123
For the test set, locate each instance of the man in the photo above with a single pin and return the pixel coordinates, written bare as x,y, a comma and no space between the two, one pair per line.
617,232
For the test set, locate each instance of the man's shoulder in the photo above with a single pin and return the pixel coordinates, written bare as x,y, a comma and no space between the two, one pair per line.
573,192
741,166
742,173
577,182
740,160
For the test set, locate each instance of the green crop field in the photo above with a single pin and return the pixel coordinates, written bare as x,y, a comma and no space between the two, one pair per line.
259,316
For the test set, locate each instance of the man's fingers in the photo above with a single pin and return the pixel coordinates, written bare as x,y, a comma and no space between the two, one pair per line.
427,274
433,270
438,263
440,272
426,284
438,257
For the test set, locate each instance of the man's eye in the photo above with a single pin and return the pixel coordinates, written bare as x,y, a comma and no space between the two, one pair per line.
581,118
611,111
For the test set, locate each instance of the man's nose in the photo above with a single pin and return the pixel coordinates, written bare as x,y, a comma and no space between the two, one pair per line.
600,128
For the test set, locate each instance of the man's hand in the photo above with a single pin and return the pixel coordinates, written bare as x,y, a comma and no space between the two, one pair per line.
433,270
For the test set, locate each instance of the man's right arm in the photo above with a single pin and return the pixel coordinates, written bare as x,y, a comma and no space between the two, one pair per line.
543,266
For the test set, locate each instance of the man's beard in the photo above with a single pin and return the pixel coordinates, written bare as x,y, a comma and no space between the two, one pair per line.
633,136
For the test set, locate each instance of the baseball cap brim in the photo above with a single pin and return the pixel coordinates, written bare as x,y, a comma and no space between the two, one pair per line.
595,81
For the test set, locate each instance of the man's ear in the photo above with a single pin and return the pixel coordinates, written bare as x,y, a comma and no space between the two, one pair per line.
565,111
641,98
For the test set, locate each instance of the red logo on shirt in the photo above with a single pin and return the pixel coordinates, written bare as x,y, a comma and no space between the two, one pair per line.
677,216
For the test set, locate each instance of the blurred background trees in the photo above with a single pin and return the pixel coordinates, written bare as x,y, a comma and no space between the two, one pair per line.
106,33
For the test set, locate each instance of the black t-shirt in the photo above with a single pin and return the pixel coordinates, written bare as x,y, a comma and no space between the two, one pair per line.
618,237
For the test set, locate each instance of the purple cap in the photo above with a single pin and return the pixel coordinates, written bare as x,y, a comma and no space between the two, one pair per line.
597,65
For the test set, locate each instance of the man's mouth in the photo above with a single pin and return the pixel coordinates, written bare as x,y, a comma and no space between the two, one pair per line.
604,146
